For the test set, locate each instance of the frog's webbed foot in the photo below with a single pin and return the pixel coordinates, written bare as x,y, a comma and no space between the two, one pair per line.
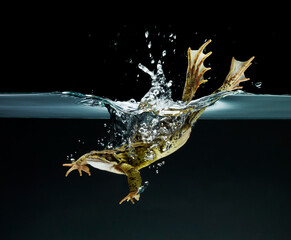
195,71
130,197
77,166
236,75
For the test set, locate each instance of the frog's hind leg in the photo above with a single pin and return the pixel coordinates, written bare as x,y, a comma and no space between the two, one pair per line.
235,75
195,72
134,182
231,83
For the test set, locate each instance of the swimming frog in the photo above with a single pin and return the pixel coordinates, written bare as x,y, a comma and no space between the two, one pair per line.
130,159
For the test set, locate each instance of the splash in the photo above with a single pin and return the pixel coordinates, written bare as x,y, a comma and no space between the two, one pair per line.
157,116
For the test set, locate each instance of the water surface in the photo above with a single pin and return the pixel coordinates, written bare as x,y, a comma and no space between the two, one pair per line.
79,106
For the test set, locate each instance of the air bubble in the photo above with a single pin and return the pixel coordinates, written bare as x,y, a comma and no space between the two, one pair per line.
258,84
142,188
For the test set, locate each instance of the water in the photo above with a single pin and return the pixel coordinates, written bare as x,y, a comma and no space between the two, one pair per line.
70,105
155,117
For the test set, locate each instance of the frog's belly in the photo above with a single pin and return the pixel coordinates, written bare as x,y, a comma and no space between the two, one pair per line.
109,167
176,143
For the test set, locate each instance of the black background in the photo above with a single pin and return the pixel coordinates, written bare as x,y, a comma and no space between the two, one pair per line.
230,181
93,56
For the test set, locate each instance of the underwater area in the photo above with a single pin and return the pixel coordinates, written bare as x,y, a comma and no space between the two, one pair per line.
231,180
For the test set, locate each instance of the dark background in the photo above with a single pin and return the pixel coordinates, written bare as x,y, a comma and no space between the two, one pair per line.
102,57
230,181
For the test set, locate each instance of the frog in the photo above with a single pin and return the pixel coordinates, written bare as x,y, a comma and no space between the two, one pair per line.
129,159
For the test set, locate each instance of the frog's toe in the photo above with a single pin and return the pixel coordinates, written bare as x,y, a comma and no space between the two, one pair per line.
236,74
130,197
75,166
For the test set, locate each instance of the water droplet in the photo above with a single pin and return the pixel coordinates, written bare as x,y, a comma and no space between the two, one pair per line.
164,53
169,84
157,171
105,125
172,37
150,44
146,34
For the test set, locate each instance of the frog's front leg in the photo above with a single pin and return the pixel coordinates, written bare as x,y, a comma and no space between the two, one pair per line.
134,182
79,165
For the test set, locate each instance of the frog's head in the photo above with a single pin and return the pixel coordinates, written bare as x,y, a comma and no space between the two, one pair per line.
97,157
